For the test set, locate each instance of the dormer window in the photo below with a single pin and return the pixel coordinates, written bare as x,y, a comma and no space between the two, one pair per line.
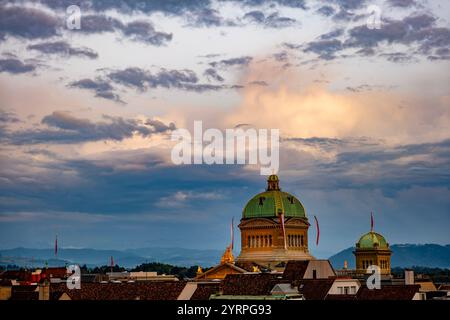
261,200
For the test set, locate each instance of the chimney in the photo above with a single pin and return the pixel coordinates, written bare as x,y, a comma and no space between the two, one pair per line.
409,277
44,290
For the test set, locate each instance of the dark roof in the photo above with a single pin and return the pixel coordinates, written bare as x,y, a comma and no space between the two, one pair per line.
205,290
250,284
341,297
57,272
158,290
295,270
24,293
314,289
392,292
20,275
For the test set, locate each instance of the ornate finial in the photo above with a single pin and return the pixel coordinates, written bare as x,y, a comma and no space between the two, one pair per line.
227,256
273,183
199,270
255,269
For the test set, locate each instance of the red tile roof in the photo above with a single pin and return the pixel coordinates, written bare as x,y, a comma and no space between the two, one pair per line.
205,290
388,292
314,289
250,284
160,290
295,270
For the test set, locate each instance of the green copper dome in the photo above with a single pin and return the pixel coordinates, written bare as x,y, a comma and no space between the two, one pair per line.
272,202
372,240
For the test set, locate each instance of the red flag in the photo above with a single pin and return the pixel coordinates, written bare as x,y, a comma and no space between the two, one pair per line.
232,233
317,231
56,245
281,215
371,221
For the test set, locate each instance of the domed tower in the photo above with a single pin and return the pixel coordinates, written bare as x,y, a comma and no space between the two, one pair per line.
373,249
263,239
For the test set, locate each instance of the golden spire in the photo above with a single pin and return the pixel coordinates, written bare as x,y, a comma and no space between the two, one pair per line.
227,256
199,270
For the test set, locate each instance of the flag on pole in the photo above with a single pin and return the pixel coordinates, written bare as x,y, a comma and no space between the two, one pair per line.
56,245
371,221
281,215
232,233
112,263
317,231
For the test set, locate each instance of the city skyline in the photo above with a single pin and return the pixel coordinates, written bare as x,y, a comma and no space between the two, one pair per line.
87,115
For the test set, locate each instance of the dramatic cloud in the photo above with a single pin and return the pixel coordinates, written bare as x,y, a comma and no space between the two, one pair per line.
402,3
139,30
324,48
212,74
101,88
240,61
273,20
15,66
64,128
27,22
142,80
63,48
145,32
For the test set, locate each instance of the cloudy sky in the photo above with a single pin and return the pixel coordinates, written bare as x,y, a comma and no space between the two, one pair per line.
86,118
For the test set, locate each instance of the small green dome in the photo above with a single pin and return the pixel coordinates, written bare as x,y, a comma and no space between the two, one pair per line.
372,240
272,202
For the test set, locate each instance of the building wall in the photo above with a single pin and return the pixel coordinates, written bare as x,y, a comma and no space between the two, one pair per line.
5,293
345,286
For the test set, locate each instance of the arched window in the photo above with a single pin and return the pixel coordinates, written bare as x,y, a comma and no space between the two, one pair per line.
270,240
289,240
248,242
253,242
301,240
266,241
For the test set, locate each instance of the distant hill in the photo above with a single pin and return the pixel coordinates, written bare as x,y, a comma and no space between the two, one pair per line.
26,257
404,255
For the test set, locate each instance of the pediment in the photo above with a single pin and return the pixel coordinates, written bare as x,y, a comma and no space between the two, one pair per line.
257,222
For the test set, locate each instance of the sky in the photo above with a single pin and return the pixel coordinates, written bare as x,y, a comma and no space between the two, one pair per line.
86,117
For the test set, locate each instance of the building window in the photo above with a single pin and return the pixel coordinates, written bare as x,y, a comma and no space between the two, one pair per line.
301,240
270,240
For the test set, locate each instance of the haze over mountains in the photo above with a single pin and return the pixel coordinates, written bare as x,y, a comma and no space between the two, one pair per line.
404,255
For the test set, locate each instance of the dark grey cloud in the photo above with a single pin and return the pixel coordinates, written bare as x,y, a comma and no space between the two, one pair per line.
138,30
16,66
240,61
298,4
350,4
273,20
326,10
416,28
29,23
63,48
102,88
63,127
281,56
145,32
8,117
208,18
211,73
402,3
326,49
398,57
143,80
